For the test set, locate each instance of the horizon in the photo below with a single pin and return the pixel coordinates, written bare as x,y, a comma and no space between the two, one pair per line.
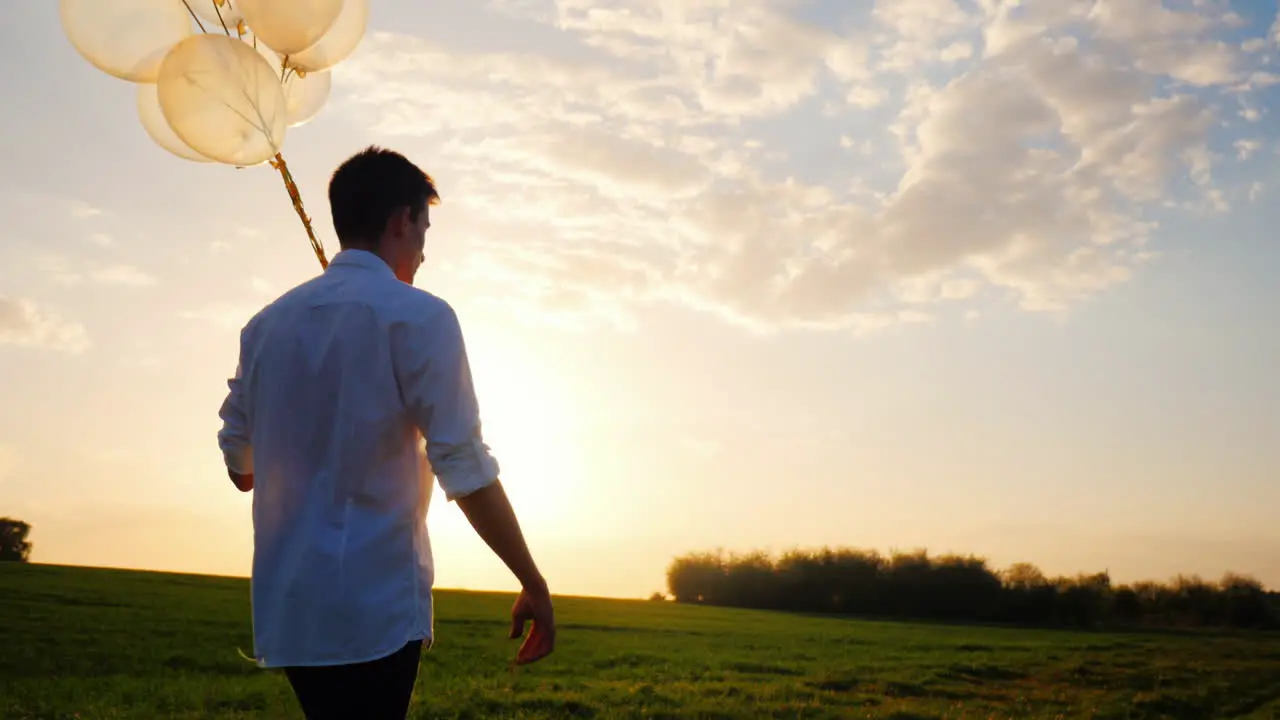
942,274
665,589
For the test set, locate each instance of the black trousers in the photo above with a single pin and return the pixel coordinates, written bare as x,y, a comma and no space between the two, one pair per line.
375,690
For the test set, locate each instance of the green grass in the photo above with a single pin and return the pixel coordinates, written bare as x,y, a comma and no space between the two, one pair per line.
91,643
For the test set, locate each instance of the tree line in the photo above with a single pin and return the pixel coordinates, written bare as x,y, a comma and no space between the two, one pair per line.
963,588
14,546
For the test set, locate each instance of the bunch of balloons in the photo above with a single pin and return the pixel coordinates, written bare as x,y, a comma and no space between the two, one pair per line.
221,80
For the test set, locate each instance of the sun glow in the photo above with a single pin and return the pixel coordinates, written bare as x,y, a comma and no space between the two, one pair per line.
528,416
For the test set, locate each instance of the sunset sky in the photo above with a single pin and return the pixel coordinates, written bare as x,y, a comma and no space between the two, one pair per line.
977,276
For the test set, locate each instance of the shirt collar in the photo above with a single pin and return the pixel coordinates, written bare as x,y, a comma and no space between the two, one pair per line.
355,258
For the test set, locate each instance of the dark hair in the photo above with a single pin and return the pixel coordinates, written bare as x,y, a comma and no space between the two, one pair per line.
371,185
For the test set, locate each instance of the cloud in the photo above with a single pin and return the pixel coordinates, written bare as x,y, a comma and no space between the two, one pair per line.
1247,147
260,285
84,210
1255,191
59,269
922,31
698,151
24,324
68,271
1166,41
227,316
1253,45
123,275
615,165
727,59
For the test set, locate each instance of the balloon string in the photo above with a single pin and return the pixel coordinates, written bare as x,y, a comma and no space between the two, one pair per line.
280,165
194,16
221,19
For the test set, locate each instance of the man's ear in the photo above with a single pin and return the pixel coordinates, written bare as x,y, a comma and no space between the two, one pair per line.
401,222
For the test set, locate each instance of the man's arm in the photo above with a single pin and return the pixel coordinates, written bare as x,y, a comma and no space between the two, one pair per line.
243,483
489,511
435,381
234,437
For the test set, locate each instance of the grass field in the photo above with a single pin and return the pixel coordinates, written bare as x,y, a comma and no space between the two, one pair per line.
88,643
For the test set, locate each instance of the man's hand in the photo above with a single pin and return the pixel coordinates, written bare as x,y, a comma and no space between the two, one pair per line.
535,606
490,513
243,483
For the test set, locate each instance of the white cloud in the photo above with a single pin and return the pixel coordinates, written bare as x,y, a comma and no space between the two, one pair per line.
227,316
616,165
958,50
84,210
1172,42
1246,148
866,96
25,324
127,275
1261,79
58,268
728,58
65,270
1029,143
922,31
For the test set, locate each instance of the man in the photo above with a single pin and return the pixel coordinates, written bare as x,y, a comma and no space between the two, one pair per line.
339,383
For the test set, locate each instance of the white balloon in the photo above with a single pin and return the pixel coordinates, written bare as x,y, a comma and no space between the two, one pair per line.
209,12
124,38
290,26
305,93
152,119
271,56
223,99
339,42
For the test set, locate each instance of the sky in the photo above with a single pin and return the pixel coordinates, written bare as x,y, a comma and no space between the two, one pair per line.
978,276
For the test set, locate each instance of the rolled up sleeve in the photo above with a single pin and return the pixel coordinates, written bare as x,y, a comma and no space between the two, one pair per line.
435,382
234,439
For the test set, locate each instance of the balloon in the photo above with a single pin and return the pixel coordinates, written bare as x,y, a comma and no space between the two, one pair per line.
125,38
223,99
208,10
339,42
304,93
157,127
271,56
290,26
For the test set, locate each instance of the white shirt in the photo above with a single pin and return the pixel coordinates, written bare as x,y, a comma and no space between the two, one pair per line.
338,382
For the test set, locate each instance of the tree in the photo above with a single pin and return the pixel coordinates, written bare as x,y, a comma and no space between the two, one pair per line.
698,578
14,546
961,587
